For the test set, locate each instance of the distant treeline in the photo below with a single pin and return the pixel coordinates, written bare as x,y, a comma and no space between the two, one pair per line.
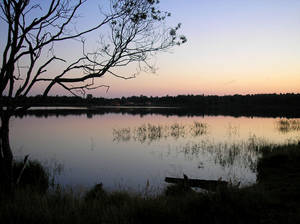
257,100
236,105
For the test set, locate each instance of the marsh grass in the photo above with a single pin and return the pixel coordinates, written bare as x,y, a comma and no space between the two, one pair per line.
35,176
274,199
148,133
288,125
121,207
279,171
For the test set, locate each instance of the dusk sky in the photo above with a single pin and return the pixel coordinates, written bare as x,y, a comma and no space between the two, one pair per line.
234,47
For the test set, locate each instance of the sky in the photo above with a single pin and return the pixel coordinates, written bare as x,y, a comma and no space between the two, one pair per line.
233,47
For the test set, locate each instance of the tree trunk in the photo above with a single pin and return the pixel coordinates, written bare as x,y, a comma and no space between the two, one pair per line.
6,156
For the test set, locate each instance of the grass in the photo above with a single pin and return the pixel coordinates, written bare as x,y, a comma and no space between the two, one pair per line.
274,199
279,175
121,207
34,176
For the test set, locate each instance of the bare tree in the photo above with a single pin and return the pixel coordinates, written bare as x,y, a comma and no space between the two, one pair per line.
134,31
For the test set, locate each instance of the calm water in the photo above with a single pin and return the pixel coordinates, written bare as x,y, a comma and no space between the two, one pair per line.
127,151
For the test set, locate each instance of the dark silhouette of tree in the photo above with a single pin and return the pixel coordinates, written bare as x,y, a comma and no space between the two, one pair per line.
133,31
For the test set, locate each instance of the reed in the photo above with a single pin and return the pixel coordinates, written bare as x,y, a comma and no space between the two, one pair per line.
274,199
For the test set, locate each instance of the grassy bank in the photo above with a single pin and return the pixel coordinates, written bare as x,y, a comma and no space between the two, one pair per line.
274,199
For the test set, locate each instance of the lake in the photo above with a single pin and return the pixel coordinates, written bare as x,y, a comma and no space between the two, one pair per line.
132,151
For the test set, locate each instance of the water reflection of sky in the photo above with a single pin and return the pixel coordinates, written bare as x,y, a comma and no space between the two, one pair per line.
154,146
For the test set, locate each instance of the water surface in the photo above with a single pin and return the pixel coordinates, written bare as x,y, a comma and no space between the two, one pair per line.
126,151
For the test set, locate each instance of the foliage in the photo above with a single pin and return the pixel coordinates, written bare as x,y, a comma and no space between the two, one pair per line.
237,105
279,172
35,176
256,204
131,32
135,29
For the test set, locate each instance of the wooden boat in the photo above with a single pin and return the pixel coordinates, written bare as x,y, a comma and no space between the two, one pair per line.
210,185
